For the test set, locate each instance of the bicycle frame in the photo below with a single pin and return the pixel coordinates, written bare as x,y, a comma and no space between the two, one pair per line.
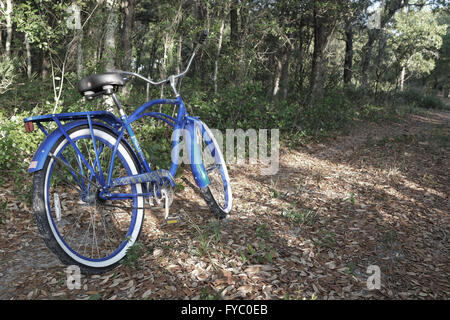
181,124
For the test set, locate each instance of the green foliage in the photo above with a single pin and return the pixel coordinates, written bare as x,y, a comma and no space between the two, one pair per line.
133,255
155,140
351,267
208,294
440,77
432,102
235,107
372,112
95,296
418,99
304,217
262,232
15,143
389,236
416,38
270,42
258,253
207,237
326,240
334,113
352,198
33,96
7,74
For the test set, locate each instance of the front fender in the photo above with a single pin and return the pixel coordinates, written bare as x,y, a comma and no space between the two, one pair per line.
42,152
194,154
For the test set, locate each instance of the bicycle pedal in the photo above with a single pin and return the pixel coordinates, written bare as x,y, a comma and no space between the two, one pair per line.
173,221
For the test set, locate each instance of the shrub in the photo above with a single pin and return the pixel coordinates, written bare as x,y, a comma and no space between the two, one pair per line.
432,102
417,98
7,74
335,112
15,144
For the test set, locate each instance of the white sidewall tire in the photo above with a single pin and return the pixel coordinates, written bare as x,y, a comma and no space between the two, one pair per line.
140,201
226,210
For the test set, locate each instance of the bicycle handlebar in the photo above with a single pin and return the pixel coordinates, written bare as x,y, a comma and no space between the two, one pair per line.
171,78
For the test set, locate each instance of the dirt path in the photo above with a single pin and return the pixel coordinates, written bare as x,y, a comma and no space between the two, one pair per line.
377,197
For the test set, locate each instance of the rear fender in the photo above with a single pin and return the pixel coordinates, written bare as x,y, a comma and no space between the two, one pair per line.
44,149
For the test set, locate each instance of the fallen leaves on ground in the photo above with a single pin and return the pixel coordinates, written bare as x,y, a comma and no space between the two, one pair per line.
378,196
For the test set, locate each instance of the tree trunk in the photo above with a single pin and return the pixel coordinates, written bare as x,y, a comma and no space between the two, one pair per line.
110,42
445,91
168,46
348,63
367,55
284,85
44,66
9,30
389,8
318,69
151,62
402,78
276,81
28,52
179,56
76,11
234,24
127,44
166,61
301,48
243,34
325,18
243,13
79,53
281,79
138,55
219,48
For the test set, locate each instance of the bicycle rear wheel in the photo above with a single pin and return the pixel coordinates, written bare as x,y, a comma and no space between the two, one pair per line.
218,193
79,225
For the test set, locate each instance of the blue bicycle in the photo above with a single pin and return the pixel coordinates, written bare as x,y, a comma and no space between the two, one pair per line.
92,180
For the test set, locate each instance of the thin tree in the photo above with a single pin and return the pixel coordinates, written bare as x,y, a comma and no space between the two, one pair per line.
110,36
6,10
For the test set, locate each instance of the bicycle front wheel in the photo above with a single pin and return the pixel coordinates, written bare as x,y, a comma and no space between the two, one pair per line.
217,194
79,225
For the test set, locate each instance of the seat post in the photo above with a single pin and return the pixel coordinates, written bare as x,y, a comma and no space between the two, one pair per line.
119,105
109,90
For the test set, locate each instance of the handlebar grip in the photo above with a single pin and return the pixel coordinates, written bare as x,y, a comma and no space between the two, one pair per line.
203,36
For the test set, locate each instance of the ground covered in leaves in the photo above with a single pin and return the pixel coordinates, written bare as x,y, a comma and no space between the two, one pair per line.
378,196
